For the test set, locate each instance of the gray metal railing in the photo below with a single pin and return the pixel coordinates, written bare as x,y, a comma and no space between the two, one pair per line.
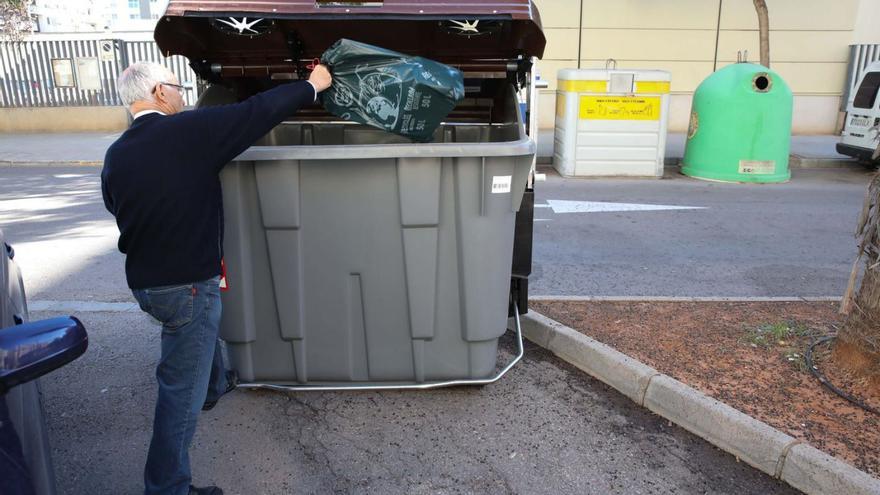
860,57
77,72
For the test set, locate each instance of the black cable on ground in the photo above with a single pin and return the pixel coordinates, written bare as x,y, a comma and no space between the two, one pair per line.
808,358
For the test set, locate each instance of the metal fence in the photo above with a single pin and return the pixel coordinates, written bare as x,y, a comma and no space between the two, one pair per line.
860,57
77,72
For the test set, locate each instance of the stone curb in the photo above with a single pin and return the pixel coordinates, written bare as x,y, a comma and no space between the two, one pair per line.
51,163
757,443
685,299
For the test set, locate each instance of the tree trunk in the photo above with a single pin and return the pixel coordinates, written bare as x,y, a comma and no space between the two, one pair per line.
764,29
858,341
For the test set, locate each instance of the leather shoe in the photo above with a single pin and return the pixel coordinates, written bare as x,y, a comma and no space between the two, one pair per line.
231,384
205,490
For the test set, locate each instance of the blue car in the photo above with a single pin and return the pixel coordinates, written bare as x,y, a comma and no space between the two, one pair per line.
28,350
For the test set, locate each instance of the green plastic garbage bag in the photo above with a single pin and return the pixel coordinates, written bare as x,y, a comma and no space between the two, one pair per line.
399,93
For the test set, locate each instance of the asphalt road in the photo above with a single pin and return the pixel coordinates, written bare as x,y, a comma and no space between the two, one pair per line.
65,241
781,240
544,428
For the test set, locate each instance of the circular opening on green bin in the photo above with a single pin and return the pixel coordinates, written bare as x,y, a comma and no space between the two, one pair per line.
762,83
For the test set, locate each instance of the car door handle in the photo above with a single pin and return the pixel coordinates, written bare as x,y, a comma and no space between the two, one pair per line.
9,251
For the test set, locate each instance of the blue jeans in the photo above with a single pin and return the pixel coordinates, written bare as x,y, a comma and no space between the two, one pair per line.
191,370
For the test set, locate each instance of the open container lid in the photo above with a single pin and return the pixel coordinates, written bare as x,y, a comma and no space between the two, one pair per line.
264,38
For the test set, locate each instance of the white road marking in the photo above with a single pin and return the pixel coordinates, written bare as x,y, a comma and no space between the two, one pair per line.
565,206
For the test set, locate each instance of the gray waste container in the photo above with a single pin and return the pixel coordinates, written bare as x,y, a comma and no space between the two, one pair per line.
357,256
354,261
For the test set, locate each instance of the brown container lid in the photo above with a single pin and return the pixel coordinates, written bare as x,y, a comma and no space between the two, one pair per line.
273,33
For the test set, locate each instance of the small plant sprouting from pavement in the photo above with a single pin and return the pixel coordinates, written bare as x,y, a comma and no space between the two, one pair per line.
776,334
796,359
787,336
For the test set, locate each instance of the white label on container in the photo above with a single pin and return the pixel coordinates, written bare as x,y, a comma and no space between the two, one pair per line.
501,184
752,167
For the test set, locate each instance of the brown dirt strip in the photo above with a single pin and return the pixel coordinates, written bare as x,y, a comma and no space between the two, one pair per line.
746,354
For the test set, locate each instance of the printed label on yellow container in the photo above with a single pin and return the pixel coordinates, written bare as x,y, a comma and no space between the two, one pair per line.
619,108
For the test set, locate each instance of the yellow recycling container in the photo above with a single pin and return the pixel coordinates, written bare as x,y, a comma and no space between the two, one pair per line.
611,122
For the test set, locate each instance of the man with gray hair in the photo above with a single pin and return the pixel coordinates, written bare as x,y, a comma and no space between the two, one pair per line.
161,182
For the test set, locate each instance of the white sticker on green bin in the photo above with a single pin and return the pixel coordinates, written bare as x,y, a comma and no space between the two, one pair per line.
755,167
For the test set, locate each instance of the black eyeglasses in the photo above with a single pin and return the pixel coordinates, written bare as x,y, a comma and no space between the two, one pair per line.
178,86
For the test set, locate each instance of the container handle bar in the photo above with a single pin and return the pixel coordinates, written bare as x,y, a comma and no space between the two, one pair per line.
418,386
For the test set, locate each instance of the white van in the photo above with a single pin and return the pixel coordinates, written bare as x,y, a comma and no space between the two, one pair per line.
861,132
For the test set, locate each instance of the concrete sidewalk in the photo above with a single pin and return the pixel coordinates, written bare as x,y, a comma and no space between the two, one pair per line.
89,148
806,151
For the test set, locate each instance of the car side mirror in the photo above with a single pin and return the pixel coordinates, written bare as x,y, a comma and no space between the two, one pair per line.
30,350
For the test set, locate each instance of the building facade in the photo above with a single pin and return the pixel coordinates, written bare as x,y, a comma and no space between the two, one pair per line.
93,16
809,42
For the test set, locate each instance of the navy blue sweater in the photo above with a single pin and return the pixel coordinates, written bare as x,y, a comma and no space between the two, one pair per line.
161,182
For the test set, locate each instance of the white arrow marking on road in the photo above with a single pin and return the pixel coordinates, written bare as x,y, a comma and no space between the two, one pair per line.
562,206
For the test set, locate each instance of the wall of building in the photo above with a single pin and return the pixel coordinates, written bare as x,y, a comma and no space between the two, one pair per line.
809,45
867,30
70,16
63,119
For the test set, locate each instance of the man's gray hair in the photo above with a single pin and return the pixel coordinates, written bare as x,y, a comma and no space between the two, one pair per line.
139,80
